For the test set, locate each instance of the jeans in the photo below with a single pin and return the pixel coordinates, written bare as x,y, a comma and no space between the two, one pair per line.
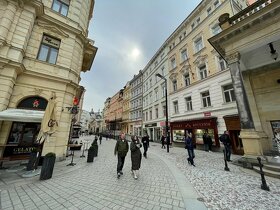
191,155
120,163
206,147
145,149
228,152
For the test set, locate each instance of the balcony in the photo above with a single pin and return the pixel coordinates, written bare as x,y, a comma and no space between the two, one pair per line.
89,54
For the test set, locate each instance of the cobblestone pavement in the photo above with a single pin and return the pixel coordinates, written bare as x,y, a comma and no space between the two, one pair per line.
166,181
238,189
161,185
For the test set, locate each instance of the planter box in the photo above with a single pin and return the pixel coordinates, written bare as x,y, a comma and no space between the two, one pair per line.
47,168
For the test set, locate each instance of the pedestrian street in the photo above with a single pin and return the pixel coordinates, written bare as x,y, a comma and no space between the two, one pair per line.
166,181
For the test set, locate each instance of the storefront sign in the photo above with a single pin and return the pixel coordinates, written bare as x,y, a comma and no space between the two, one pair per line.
207,114
151,125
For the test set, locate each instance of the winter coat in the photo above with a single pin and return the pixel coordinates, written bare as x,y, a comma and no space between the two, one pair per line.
225,139
188,143
207,139
146,140
121,148
136,155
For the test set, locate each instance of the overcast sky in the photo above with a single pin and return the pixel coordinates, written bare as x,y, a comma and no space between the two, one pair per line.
127,33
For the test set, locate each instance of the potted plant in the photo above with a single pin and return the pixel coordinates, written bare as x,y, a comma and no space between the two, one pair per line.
90,156
48,165
95,148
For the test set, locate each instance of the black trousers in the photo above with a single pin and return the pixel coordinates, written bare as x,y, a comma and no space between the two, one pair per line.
121,160
145,149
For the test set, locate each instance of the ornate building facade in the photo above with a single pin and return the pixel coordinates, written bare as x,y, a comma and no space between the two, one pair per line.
43,50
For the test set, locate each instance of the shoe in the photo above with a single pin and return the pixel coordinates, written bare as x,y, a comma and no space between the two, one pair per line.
119,175
193,165
135,177
229,160
189,162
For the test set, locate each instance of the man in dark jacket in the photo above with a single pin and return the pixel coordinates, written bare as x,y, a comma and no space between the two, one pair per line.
145,142
121,150
225,139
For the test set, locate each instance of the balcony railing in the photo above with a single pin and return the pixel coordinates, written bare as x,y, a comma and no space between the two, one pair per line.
252,9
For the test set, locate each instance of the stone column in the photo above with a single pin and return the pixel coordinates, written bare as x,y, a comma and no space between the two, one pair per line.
252,140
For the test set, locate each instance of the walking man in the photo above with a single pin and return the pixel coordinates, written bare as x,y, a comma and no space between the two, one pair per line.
145,142
189,146
225,139
100,138
162,139
121,150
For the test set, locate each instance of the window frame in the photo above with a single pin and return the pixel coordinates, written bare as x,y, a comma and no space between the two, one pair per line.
230,92
198,48
206,99
49,49
203,74
176,107
189,106
61,3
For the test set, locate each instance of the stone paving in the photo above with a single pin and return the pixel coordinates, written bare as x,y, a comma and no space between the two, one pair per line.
237,189
160,184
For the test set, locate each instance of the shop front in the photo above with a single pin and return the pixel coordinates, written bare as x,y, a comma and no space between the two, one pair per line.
233,126
197,127
26,124
150,130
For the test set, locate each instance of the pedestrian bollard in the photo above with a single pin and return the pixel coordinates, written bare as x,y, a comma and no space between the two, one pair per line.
225,159
263,185
83,150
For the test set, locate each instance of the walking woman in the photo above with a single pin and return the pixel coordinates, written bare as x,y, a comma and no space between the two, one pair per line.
189,147
136,156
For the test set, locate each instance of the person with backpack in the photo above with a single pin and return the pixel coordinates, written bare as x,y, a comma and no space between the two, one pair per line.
225,139
190,147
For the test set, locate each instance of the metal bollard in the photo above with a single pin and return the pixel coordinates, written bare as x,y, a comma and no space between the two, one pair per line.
225,159
263,185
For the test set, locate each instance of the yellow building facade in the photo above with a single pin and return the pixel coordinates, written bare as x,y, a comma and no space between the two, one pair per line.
43,49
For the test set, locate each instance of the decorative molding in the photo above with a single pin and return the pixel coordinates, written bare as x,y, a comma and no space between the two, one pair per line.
200,60
185,69
173,76
52,28
20,3
38,91
233,57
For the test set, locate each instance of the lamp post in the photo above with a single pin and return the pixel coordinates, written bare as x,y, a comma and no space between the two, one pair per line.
166,114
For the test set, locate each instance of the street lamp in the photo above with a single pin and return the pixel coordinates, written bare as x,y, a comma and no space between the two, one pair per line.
166,114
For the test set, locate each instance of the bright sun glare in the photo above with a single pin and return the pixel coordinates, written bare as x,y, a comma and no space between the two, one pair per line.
135,53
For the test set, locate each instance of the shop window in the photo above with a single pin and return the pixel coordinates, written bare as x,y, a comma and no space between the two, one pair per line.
199,135
49,49
206,101
178,135
35,102
61,6
229,93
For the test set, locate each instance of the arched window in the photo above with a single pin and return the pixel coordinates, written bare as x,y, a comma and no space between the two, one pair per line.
34,102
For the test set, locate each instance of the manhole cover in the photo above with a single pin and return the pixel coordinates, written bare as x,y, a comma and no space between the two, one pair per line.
200,199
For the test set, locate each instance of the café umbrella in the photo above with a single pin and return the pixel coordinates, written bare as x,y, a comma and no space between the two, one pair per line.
49,123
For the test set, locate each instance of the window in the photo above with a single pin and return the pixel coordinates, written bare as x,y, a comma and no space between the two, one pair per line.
198,20
151,115
147,116
222,63
156,112
156,94
151,98
61,6
198,44
206,102
216,29
150,82
164,110
209,10
174,84
216,4
173,63
188,103
187,79
203,72
184,55
175,106
229,93
49,49
162,71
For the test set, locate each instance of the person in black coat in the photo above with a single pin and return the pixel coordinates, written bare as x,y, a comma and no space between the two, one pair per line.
207,140
145,142
162,139
189,146
225,139
136,156
100,138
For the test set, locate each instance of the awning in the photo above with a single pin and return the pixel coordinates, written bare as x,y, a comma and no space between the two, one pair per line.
22,115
